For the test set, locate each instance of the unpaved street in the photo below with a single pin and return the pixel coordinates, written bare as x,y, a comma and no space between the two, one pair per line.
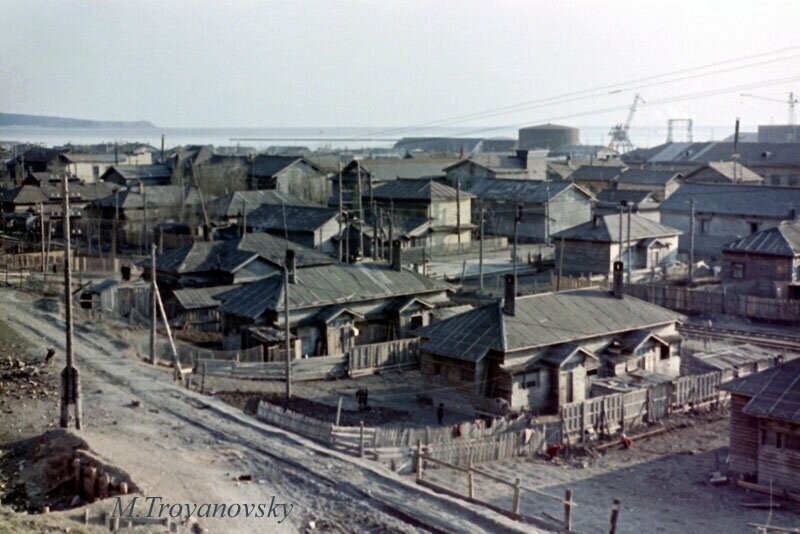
188,448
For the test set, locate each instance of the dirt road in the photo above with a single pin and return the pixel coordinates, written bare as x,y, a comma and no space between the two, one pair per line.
188,448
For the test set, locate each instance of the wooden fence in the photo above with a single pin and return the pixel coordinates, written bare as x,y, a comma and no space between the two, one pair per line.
699,301
192,355
367,359
316,368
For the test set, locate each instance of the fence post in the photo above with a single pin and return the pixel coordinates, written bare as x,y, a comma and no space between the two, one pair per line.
361,440
614,517
339,411
203,380
419,460
517,483
471,479
568,510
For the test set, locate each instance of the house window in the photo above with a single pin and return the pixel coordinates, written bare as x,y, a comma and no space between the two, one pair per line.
737,270
95,171
753,227
529,380
704,223
437,369
793,181
467,375
775,180
664,353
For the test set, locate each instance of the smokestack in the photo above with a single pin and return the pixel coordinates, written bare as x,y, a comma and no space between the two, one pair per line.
291,265
162,148
618,284
510,294
397,256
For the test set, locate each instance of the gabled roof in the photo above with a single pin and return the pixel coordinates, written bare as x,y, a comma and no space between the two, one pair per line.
726,171
615,196
648,177
782,240
77,157
774,393
327,285
539,321
266,166
26,194
387,170
229,256
416,189
291,218
138,172
750,154
558,355
595,172
499,163
734,199
201,297
231,204
532,191
155,195
605,229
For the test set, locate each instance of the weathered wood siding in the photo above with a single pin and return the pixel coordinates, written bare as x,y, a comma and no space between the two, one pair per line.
743,438
779,462
760,267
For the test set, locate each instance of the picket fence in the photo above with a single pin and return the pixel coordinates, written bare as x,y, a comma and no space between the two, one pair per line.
305,369
366,359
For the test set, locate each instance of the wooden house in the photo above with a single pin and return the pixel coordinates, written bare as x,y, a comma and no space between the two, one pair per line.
660,183
310,226
594,246
732,362
522,165
765,427
595,178
541,351
547,207
726,212
289,174
133,175
196,308
89,167
228,209
334,307
767,261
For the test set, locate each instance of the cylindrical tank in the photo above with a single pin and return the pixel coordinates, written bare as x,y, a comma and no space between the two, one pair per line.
550,136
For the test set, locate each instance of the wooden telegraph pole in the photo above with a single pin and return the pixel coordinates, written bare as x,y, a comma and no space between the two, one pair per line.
70,378
480,262
41,234
286,332
153,304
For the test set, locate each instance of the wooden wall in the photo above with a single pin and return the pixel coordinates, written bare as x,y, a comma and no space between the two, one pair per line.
744,438
779,460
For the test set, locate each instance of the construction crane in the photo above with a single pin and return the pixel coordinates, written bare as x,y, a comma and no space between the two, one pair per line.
791,102
620,140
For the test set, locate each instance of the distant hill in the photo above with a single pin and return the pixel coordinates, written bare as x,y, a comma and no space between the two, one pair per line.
17,119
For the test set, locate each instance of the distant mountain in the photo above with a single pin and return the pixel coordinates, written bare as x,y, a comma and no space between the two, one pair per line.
17,119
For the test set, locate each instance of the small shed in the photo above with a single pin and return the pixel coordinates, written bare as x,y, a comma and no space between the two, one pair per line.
100,296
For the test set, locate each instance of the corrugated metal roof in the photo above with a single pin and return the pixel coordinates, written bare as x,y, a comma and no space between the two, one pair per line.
775,393
607,229
734,199
231,204
782,240
293,218
615,196
156,195
531,191
595,172
202,297
647,177
328,285
749,153
416,189
541,320
138,172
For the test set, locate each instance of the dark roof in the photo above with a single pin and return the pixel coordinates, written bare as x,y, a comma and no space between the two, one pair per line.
532,191
734,199
774,393
595,172
749,153
439,144
499,163
606,229
293,218
327,285
615,196
387,170
414,189
229,256
156,195
26,194
266,166
138,172
726,171
782,240
541,320
231,204
648,177
202,297
77,157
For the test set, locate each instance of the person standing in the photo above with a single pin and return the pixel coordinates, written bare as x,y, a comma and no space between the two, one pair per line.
440,413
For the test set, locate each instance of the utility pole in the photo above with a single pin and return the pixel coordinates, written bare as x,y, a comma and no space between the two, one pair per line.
70,378
144,220
630,260
458,211
114,225
691,244
374,230
560,264
341,213
244,217
153,304
546,209
41,234
286,332
517,220
622,205
381,254
360,214
391,232
480,260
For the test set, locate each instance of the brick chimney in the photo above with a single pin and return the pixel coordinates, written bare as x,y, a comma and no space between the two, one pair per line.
291,265
617,290
397,255
510,294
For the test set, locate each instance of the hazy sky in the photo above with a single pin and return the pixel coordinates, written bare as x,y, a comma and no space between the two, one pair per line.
391,63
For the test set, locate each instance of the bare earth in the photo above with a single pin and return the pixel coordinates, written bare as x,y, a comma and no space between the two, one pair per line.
189,448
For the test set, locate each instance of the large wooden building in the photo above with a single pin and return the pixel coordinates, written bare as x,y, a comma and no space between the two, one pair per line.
542,351
765,426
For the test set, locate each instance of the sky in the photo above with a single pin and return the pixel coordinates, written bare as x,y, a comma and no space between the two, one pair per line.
389,64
